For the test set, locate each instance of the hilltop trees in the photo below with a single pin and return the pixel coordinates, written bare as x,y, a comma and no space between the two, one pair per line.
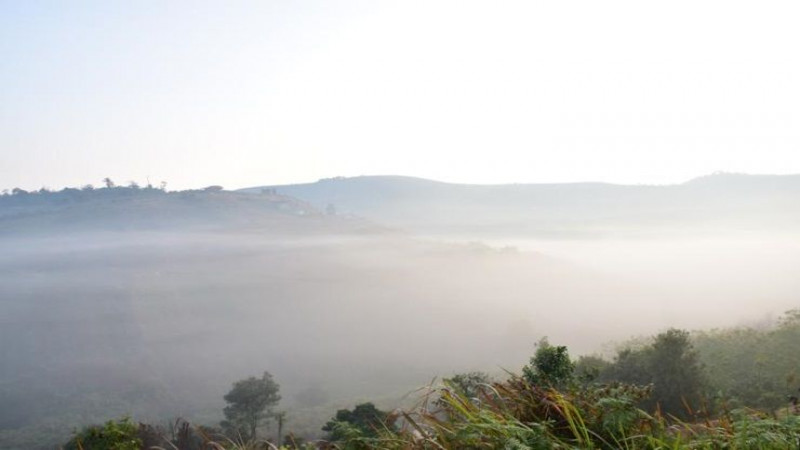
250,403
82,192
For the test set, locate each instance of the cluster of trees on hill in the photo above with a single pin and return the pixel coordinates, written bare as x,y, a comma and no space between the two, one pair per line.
751,366
88,191
108,183
135,207
669,363
45,197
674,390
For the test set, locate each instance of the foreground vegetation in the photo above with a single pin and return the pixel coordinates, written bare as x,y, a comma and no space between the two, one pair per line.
660,393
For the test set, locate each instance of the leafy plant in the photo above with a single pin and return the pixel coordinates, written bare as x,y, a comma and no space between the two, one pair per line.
113,435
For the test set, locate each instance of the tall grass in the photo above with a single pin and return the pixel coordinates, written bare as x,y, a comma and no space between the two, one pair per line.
517,415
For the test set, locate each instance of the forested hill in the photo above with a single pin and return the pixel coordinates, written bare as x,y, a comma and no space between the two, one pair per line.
730,202
135,208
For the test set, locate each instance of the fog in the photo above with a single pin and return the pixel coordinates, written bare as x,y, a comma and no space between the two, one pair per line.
159,324
691,281
128,289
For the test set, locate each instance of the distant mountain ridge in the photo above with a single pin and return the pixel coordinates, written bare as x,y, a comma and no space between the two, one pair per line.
719,201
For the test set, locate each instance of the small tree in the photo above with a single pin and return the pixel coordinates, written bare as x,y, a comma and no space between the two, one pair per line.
364,420
470,384
550,366
677,374
250,403
671,365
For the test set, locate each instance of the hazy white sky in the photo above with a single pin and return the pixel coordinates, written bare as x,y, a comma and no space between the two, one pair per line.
263,92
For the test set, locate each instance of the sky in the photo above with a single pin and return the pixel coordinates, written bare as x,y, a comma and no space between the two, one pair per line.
242,94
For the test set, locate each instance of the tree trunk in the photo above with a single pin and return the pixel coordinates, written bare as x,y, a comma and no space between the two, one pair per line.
280,429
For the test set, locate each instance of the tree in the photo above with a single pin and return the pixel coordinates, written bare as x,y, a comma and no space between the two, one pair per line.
108,182
365,419
550,366
250,402
281,418
470,384
671,365
676,373
588,368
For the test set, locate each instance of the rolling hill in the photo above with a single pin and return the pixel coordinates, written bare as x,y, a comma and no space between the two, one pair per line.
128,209
710,204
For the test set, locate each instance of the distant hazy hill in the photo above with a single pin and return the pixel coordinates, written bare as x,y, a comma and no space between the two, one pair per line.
709,204
124,208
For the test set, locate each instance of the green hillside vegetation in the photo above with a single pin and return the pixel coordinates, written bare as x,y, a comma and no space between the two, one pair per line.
723,389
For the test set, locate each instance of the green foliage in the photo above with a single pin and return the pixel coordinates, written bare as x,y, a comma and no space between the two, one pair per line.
250,403
550,406
676,373
589,368
364,421
753,367
550,366
524,415
592,403
671,365
517,414
113,435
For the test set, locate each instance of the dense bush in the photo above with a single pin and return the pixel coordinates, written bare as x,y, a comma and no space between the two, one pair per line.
113,435
363,421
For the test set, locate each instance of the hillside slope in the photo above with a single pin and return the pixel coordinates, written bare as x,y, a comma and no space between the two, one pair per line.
129,209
